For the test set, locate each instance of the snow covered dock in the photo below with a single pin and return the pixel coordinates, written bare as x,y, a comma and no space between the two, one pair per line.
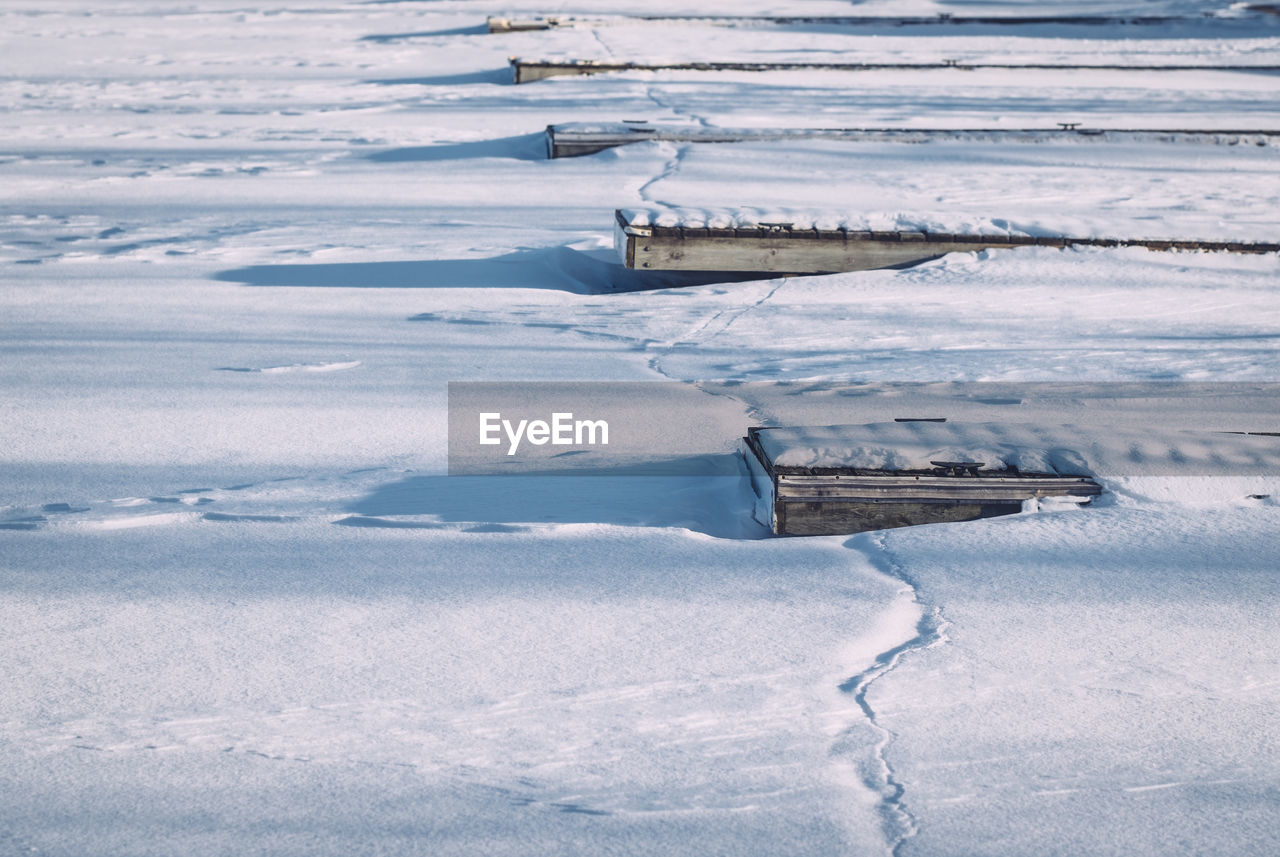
849,479
529,70
833,480
571,139
822,243
513,24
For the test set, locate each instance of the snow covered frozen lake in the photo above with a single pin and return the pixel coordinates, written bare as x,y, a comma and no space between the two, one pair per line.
244,609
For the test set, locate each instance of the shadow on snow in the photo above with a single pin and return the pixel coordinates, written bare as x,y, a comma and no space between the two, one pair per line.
708,495
560,268
489,75
523,147
473,30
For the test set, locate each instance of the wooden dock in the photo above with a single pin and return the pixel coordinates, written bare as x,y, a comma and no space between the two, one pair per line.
508,24
805,501
527,71
784,248
571,139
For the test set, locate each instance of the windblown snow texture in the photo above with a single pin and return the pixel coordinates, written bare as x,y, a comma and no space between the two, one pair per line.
245,248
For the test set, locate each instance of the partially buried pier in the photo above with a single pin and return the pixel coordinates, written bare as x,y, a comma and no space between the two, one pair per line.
793,247
529,70
572,139
848,491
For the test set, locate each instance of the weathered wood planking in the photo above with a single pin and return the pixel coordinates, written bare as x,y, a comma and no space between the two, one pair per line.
508,24
527,71
571,139
779,248
797,501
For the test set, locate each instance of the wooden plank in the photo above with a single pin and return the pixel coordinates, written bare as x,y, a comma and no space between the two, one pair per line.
796,481
527,71
866,490
800,518
569,140
779,249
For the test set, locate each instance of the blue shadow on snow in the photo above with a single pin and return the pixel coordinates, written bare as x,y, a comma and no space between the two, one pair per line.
559,268
705,494
488,75
474,30
523,147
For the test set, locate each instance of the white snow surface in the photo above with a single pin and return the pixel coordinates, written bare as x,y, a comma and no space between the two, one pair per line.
243,609
1249,42
1030,447
1118,191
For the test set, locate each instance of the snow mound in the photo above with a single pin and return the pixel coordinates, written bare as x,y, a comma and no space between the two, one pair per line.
824,219
1058,449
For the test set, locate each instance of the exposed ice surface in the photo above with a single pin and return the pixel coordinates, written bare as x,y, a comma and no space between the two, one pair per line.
243,609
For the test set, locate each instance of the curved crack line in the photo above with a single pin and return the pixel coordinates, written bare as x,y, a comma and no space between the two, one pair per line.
748,308
689,340
897,820
595,34
672,166
754,410
669,169
650,93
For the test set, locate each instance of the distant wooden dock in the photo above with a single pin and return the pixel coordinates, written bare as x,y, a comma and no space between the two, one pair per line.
511,24
785,248
527,71
804,501
571,139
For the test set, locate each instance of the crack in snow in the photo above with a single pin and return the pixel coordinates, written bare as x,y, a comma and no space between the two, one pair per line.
749,308
689,338
669,169
595,34
751,409
651,94
672,166
897,820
